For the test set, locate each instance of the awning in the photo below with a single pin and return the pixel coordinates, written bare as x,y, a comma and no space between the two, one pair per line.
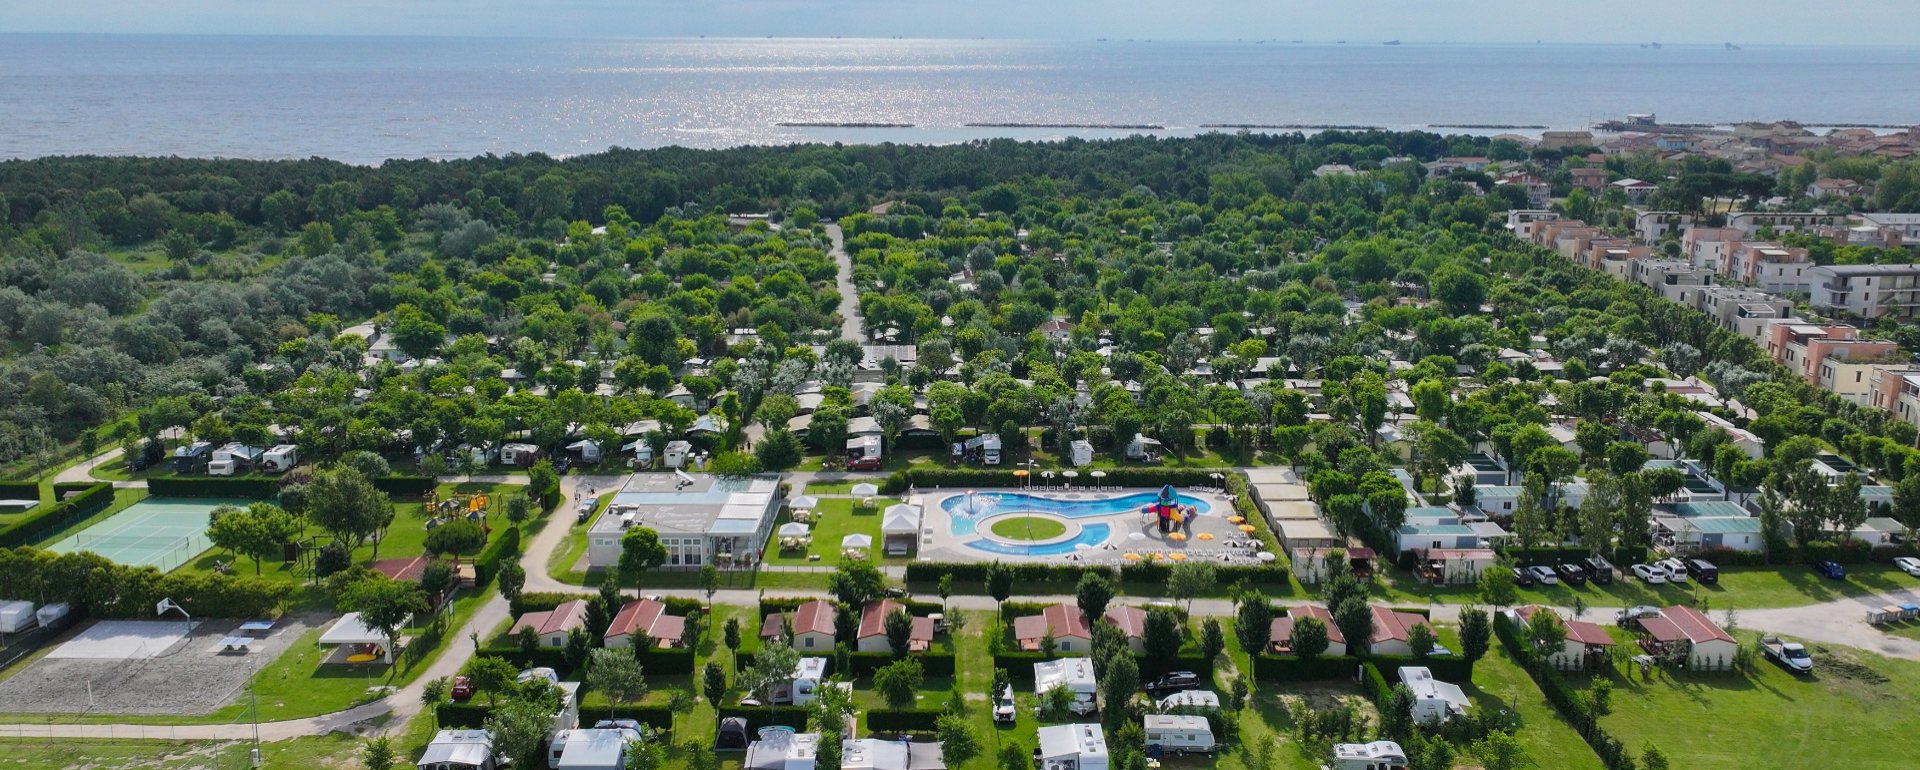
350,630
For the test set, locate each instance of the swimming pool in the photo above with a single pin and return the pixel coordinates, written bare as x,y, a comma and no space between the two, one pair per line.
1091,534
966,511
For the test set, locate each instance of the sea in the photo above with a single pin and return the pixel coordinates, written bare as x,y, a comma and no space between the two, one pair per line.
368,99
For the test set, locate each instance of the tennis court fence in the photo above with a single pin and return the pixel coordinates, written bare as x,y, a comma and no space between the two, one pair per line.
167,553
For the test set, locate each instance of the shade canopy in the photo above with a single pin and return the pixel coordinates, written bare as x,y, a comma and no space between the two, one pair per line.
1070,474
793,529
803,502
864,489
856,540
900,519
1098,474
350,629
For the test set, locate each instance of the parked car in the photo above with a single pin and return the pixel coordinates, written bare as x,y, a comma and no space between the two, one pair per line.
1632,615
1651,574
1544,575
1003,707
1178,681
1703,571
462,689
1908,564
1676,570
1521,577
1598,570
1791,656
1571,574
1830,569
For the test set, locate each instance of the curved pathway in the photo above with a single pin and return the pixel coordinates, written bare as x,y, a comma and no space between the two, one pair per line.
850,319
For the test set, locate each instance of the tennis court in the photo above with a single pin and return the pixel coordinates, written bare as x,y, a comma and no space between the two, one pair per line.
163,533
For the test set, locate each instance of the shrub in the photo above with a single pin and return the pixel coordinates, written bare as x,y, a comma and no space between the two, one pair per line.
45,520
231,487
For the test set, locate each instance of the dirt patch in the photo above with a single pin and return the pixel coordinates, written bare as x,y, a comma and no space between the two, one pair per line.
192,678
1837,663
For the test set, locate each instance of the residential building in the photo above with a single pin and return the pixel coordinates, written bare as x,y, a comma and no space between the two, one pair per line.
1280,633
1866,291
1897,391
553,626
1391,631
1870,236
812,625
1066,623
1908,225
701,518
1769,265
1587,645
872,636
1517,218
1593,179
1745,312
1689,635
1539,193
1834,188
1750,223
1445,166
1676,280
1636,190
648,617
1651,226
1561,140
1708,247
1615,256
1132,622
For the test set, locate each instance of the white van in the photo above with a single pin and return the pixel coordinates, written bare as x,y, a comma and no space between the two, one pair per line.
1178,734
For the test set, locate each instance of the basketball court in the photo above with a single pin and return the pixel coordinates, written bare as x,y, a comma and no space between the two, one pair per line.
124,640
163,533
168,666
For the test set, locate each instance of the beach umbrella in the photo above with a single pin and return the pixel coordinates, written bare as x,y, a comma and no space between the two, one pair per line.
1070,474
864,489
1266,556
793,529
1247,528
1136,535
803,503
1021,474
1131,557
1178,557
1177,536
1236,519
1206,536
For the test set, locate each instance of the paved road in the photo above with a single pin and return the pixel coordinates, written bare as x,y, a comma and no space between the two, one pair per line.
850,320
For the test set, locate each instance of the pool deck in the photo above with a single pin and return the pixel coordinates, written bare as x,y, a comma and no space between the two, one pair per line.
1128,532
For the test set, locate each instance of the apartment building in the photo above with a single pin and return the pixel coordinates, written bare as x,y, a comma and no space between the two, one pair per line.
1908,225
1593,179
1746,312
1560,140
1897,390
1871,236
1866,291
1676,280
1769,265
1615,256
1651,226
1830,355
1751,223
1707,247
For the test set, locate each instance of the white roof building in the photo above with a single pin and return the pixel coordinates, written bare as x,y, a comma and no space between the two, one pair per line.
1073,747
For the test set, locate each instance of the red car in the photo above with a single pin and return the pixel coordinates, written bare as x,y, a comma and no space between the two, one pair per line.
865,464
462,688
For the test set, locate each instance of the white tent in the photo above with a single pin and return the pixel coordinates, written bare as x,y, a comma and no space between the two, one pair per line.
856,541
803,503
349,629
793,529
864,489
901,519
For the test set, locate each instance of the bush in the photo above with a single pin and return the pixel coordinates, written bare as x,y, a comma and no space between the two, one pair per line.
229,487
19,490
976,572
408,486
920,720
861,664
550,657
507,545
46,520
1287,668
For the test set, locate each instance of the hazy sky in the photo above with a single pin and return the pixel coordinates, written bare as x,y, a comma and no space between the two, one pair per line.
1596,21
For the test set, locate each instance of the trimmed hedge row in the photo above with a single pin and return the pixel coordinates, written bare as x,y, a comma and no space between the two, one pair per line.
1124,477
487,564
1613,754
473,714
417,486
231,487
1225,574
1019,664
1287,668
19,490
1376,685
903,720
976,572
861,664
92,498
679,661
762,716
772,604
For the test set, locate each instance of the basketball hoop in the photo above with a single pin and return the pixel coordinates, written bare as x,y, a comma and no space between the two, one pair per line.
160,609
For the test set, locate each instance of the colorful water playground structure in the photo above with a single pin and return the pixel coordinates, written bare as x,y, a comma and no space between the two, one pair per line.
1169,510
1091,523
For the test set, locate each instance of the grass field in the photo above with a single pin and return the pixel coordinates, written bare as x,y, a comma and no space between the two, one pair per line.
1740,587
835,518
1859,710
1028,528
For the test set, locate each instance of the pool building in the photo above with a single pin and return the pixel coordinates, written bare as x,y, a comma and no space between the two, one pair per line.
701,518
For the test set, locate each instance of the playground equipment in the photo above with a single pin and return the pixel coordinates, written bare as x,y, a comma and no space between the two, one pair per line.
474,507
1168,509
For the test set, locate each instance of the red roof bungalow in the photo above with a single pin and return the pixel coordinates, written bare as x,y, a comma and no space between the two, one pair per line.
1067,624
812,626
554,625
1280,634
873,629
1131,621
1679,631
1587,646
649,617
1390,631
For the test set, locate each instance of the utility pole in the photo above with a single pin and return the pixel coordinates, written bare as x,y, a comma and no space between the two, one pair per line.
253,698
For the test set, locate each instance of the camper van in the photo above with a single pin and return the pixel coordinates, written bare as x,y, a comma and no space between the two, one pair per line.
863,453
1434,702
1378,755
984,449
1082,453
519,455
799,691
585,451
280,459
232,459
188,458
676,454
1178,734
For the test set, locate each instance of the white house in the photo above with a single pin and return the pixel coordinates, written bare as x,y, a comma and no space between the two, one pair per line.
1685,632
1587,645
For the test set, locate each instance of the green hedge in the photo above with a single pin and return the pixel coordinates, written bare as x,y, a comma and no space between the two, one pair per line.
1613,754
48,519
903,720
473,714
1225,574
922,478
507,545
30,572
861,664
772,604
1446,669
548,657
976,572
761,716
19,490
1019,664
417,486
223,487
1287,668
1376,685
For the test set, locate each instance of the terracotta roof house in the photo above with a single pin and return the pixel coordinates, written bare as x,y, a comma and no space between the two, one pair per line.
1280,634
554,625
812,625
1067,624
1587,645
873,629
1679,630
1131,621
649,617
1390,630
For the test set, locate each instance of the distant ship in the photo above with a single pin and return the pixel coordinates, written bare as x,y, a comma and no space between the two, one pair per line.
1650,45
1391,42
1732,47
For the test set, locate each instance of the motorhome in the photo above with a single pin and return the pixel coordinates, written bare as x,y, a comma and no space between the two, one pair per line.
801,690
1178,734
590,749
1434,701
519,455
1082,453
188,458
280,459
1075,674
586,451
1378,755
232,459
984,449
676,454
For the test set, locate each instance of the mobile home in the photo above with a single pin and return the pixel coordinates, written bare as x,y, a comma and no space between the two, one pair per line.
1178,734
280,459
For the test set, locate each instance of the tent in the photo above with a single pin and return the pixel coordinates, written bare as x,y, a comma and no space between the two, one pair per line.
793,529
803,503
864,489
856,541
900,526
350,631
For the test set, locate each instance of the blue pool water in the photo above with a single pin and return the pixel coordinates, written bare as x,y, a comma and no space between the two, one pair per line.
1091,534
967,511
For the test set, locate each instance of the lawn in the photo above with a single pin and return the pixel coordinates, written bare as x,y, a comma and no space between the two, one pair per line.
834,519
1500,683
1859,710
76,754
1028,528
1740,587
